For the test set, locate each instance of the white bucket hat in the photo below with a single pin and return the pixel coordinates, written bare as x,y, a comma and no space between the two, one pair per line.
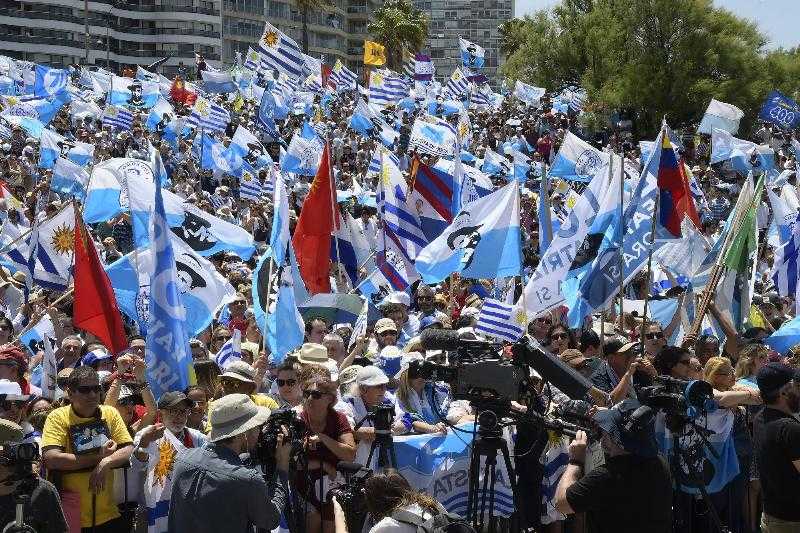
234,414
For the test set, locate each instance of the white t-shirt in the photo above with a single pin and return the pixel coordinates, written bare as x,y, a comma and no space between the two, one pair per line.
390,525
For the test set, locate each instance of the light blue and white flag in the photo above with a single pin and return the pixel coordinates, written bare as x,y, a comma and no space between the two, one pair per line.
80,110
787,336
500,320
785,271
528,93
250,187
522,164
720,115
785,208
482,242
105,197
386,88
279,52
117,117
433,136
52,250
34,338
52,146
160,115
207,234
69,178
249,148
215,156
267,114
344,78
202,289
231,351
304,153
207,115
15,250
725,146
495,164
50,81
396,211
472,55
134,92
577,160
218,82
252,60
457,85
369,122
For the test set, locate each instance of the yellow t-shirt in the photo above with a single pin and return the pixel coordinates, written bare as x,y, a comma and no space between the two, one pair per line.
65,429
261,400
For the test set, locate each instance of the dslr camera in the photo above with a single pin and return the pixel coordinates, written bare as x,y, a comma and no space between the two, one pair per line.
268,440
686,399
19,458
352,495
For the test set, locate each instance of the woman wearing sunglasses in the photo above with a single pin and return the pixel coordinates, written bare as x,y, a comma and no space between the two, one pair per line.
289,393
328,440
560,338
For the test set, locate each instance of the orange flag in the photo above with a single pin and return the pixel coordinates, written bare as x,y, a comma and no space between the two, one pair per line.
312,235
95,309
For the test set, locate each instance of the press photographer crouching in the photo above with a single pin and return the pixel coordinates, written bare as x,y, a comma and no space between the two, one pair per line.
41,507
214,477
632,491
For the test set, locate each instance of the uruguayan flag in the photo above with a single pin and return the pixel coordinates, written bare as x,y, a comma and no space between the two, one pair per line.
528,93
344,78
500,320
577,160
458,84
209,116
252,61
250,187
386,88
231,351
725,146
304,152
134,92
279,52
161,115
203,290
397,213
50,81
52,146
69,178
482,242
117,117
218,82
495,164
52,250
472,55
433,136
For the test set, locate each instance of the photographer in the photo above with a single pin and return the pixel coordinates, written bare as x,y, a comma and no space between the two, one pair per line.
632,491
368,392
414,397
214,478
621,370
43,510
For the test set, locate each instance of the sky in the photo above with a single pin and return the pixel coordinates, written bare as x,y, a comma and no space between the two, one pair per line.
776,18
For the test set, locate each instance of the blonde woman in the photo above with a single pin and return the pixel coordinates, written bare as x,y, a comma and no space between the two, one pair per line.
751,358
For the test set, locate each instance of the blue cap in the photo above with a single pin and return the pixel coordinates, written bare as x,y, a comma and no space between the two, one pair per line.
94,357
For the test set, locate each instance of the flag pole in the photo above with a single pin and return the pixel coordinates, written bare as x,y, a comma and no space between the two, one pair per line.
334,205
621,239
648,286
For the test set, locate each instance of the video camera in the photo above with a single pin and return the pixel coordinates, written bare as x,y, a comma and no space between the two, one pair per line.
268,440
352,495
19,458
686,399
479,380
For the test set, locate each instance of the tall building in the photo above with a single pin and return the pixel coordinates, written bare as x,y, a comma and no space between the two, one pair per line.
120,32
474,20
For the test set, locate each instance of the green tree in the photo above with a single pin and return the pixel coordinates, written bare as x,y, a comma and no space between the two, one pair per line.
399,26
656,58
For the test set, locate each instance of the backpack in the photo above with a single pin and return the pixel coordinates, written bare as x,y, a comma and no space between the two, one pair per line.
442,522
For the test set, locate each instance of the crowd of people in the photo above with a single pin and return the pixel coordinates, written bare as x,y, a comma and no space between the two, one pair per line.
106,440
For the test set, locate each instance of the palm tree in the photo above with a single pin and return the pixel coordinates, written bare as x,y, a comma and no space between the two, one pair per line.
305,6
398,26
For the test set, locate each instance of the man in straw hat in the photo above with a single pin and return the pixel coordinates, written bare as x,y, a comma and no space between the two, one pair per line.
214,477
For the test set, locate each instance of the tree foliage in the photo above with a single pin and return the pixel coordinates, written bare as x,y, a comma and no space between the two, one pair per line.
654,58
399,26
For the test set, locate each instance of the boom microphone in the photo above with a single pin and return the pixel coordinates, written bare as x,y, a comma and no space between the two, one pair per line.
449,340
552,369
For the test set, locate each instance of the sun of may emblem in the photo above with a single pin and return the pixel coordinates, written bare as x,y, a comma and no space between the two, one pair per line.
63,239
201,107
166,460
270,39
521,318
377,79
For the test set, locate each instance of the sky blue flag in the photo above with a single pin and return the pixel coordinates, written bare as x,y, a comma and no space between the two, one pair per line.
266,114
215,156
482,242
304,152
50,81
495,164
472,55
741,152
69,178
160,115
52,146
788,335
134,92
594,275
577,160
218,82
167,352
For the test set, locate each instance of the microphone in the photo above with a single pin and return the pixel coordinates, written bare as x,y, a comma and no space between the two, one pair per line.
449,340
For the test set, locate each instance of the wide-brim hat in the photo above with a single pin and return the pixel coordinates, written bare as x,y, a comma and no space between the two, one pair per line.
234,414
311,353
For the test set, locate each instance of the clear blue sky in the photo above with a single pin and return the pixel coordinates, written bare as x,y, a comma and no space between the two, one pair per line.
778,19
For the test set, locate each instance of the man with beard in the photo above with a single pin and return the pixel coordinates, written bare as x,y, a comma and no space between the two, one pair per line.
777,439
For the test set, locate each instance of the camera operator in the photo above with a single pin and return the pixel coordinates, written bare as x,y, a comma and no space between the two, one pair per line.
414,396
621,370
776,432
368,392
632,491
213,489
43,510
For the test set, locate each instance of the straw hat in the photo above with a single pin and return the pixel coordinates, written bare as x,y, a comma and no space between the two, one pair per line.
234,414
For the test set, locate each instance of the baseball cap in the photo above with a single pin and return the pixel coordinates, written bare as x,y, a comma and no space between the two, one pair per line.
773,376
95,356
618,345
174,399
371,376
385,324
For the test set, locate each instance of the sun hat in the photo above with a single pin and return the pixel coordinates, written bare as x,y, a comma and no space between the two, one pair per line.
312,353
10,390
173,399
385,324
234,414
371,376
9,432
241,371
349,374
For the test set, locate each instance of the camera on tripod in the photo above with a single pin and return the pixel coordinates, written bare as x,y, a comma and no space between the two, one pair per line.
352,496
19,458
682,398
268,440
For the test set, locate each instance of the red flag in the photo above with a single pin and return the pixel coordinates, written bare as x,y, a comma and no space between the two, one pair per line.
675,200
95,308
312,235
326,76
180,94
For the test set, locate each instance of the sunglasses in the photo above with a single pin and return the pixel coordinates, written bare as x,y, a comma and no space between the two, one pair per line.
387,333
286,382
88,389
653,336
544,321
238,302
557,336
316,394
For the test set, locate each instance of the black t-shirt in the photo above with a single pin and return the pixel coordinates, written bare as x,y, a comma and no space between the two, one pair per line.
627,494
777,437
43,512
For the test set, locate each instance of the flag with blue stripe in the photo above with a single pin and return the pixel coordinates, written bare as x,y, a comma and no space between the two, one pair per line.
252,60
784,270
433,136
528,93
386,88
344,78
457,85
52,243
397,213
279,52
52,146
741,153
349,247
50,81
208,116
501,320
250,187
231,351
482,242
160,115
218,82
577,160
117,117
266,114
69,178
304,153
134,92
472,55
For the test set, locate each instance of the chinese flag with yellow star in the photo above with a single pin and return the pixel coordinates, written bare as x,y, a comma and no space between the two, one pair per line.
374,54
95,309
312,235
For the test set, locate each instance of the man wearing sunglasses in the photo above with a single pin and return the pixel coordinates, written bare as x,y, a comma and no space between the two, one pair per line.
12,407
84,442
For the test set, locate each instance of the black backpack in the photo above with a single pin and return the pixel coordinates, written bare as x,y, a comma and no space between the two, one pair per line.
442,522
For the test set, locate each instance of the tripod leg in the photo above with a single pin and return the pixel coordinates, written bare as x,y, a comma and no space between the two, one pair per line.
472,497
512,481
487,466
492,520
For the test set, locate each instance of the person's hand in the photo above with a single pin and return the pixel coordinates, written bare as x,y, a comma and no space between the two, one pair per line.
648,368
368,435
282,451
260,366
97,479
312,442
361,344
107,449
577,448
139,369
441,428
151,433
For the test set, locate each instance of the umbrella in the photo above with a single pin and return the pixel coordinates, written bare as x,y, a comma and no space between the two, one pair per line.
334,308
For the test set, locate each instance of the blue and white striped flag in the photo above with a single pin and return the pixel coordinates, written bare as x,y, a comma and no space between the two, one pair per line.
501,320
209,116
785,269
279,52
117,117
344,78
69,178
250,187
252,61
458,84
386,87
231,351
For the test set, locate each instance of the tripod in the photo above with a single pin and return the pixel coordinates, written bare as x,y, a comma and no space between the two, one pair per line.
18,525
486,443
383,443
